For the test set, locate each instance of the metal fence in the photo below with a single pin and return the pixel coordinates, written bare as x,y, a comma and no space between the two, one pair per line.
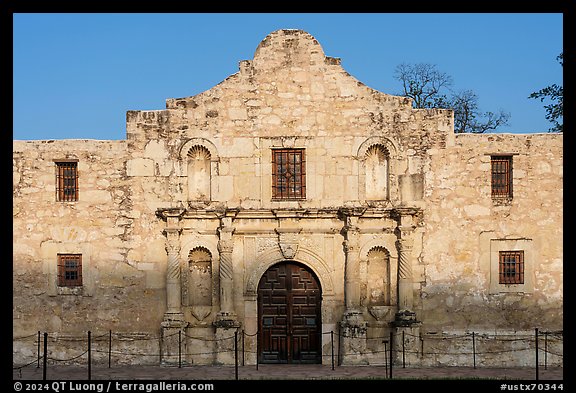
117,348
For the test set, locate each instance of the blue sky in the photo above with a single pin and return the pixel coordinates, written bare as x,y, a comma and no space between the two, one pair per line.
76,74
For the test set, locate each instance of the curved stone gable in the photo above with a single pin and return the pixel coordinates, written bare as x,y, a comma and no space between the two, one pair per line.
288,48
290,87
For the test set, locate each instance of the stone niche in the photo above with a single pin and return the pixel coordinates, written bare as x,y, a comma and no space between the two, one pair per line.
379,285
197,283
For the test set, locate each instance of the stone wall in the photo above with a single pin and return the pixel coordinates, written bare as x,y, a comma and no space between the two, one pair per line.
177,223
118,290
464,228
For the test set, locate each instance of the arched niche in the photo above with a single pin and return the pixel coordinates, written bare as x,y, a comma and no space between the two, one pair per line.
378,158
199,158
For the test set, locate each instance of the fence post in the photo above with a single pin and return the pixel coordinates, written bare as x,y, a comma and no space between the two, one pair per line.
403,351
391,350
110,349
474,349
546,350
243,352
38,365
386,357
89,356
45,356
536,353
236,354
179,348
422,345
257,348
338,361
332,346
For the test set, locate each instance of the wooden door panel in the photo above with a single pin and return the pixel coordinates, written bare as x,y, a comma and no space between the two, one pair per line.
289,315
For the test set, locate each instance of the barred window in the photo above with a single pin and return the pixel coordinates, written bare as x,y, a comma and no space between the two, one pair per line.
66,181
69,270
501,176
511,267
288,174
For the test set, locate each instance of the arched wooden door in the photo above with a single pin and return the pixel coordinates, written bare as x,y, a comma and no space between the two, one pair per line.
289,315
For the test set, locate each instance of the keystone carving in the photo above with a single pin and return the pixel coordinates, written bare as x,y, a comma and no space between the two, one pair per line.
288,242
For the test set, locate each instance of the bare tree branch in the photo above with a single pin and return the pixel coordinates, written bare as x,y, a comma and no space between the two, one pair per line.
425,85
422,82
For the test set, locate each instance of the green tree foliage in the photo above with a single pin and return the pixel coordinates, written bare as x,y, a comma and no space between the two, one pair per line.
554,93
430,88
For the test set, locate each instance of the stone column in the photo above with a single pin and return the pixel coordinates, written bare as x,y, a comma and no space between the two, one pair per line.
173,325
405,315
226,322
225,248
353,325
352,271
173,283
405,325
405,290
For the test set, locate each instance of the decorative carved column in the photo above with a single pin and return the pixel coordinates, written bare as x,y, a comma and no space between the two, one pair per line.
353,325
225,248
405,231
405,324
173,324
226,322
352,270
173,284
405,291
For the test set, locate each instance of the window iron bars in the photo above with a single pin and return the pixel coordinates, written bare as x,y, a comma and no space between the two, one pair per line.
511,267
69,270
288,174
66,181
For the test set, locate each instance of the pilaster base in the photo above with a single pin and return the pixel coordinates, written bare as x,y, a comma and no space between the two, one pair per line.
353,330
407,345
226,326
405,318
227,320
173,340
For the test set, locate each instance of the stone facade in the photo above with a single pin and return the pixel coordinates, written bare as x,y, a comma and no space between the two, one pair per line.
394,217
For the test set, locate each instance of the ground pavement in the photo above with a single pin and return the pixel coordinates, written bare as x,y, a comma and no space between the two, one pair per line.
282,372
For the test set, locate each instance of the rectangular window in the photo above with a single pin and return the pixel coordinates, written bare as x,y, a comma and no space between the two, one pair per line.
69,270
501,176
288,174
511,267
66,181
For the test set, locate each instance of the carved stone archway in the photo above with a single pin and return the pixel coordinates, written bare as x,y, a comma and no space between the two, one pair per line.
274,255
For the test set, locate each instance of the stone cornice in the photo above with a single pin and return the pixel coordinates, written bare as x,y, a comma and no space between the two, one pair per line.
341,213
170,212
398,212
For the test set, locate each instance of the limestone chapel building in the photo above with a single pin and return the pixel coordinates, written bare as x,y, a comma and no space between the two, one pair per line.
298,208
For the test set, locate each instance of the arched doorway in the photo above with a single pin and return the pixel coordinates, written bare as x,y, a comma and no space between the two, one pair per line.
289,315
